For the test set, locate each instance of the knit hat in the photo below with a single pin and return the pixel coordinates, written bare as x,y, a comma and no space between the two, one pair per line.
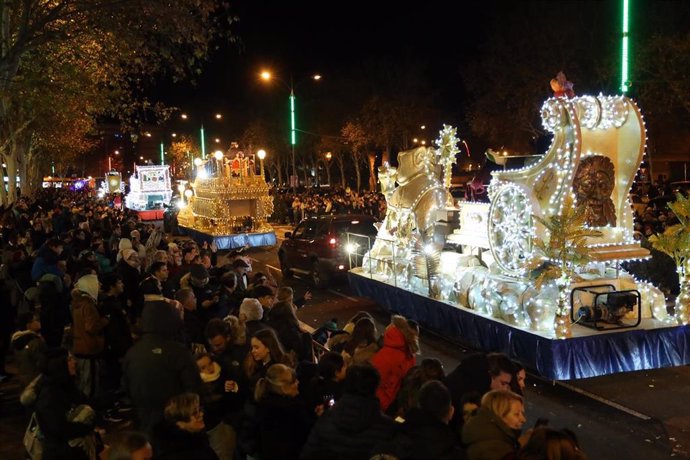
198,271
251,309
89,285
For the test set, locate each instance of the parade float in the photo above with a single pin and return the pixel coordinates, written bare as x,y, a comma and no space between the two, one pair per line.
228,202
149,191
536,272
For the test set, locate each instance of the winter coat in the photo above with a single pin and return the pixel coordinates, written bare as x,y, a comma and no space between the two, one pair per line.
422,437
364,354
172,443
131,278
276,428
28,350
118,335
157,368
395,358
87,326
46,262
349,431
488,438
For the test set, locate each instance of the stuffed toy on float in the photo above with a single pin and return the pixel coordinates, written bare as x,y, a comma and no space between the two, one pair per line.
562,87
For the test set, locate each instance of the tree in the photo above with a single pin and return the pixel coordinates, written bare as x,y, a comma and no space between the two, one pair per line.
510,80
122,43
356,139
182,153
261,135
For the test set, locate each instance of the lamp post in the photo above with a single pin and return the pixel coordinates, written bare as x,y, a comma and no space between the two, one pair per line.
329,157
202,133
261,154
267,76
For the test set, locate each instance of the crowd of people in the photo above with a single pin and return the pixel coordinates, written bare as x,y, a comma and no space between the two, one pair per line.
108,320
293,206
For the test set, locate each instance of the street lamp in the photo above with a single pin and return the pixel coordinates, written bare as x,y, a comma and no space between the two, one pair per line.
261,154
217,116
329,157
267,76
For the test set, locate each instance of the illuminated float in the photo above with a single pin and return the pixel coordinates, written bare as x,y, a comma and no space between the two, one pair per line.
149,191
478,271
229,202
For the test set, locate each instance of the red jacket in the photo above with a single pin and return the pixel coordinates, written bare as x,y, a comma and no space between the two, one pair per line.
392,361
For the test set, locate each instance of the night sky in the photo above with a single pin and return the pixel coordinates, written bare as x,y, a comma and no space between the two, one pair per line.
299,38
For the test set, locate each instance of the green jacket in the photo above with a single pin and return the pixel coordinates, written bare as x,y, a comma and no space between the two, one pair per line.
488,438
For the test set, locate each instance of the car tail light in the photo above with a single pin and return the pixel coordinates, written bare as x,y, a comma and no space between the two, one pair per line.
333,242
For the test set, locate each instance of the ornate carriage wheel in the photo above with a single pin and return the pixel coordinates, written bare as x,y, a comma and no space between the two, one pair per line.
510,229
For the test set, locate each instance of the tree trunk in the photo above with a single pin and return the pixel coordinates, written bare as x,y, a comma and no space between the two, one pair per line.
341,166
372,171
358,172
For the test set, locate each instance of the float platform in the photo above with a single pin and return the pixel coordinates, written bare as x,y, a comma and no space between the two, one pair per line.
589,353
232,241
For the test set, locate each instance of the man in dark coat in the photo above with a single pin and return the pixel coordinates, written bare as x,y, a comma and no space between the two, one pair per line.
158,367
425,434
479,373
355,425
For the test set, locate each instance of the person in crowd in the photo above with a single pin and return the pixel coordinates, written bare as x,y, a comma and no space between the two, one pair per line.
493,433
469,404
28,346
286,294
395,358
88,339
47,261
425,434
135,238
105,265
58,400
117,333
265,350
240,267
207,296
284,321
251,313
227,302
280,423
336,341
129,445
548,444
174,261
159,271
219,396
123,243
193,325
54,298
429,369
355,424
327,388
128,269
517,383
158,366
228,354
181,434
479,373
266,297
362,344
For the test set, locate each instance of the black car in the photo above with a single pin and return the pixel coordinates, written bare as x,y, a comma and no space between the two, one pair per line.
319,246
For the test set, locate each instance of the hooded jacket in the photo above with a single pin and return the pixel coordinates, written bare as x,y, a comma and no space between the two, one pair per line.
348,431
395,358
87,325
